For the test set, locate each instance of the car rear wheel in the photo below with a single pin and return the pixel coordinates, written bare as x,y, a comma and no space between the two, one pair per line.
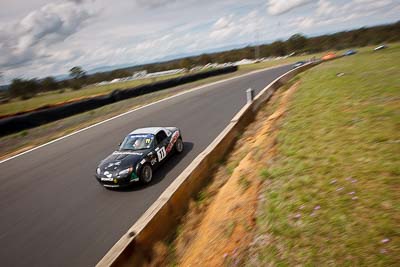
179,145
146,174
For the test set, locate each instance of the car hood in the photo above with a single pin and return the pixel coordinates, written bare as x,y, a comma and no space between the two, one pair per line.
121,160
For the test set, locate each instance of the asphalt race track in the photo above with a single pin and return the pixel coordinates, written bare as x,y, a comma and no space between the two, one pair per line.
53,211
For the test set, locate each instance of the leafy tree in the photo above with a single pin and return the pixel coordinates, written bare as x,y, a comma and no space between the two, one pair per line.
204,59
48,84
75,84
297,42
78,76
24,88
278,48
77,72
120,73
185,63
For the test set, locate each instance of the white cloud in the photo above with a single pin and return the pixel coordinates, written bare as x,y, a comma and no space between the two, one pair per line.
330,13
325,8
153,3
28,39
302,23
278,7
51,38
231,26
224,28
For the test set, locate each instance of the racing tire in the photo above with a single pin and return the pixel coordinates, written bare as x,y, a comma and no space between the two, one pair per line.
179,146
146,174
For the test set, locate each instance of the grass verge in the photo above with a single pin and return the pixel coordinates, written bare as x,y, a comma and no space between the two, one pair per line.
331,195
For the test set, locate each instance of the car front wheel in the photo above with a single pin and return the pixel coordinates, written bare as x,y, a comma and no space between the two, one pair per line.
146,174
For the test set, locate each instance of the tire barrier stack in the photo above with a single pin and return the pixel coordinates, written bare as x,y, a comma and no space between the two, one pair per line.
33,119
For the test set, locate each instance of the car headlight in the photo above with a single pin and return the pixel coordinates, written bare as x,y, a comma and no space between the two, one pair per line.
98,171
125,172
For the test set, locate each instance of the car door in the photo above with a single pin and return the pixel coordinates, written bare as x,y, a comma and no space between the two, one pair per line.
161,144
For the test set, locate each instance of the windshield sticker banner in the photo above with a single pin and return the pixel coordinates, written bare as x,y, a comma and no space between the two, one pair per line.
127,153
140,136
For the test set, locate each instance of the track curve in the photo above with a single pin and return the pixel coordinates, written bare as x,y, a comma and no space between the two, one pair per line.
53,211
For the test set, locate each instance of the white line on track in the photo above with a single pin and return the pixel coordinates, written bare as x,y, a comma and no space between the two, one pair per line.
133,110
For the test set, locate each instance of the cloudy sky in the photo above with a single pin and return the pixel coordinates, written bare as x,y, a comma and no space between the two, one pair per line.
42,37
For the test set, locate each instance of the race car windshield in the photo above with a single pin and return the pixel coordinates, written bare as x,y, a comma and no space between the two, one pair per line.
137,142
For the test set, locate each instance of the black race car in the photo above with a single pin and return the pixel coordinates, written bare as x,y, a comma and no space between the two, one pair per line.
141,152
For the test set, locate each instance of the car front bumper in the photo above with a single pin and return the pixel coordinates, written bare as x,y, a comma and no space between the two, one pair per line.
117,182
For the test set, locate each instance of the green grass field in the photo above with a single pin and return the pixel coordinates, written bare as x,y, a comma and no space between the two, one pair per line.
333,189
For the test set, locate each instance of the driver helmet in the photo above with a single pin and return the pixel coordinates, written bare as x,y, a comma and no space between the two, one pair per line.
137,143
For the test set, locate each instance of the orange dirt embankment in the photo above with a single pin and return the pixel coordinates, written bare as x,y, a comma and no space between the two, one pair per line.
226,229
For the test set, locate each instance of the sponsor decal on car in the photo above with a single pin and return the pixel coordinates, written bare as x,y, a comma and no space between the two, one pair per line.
172,142
161,154
113,164
134,177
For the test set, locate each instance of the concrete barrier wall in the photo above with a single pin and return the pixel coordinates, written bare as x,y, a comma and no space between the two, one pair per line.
39,117
161,219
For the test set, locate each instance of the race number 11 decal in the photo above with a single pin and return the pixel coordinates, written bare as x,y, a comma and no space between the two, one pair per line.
161,154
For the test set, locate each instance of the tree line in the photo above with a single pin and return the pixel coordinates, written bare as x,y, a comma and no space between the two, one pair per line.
298,43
